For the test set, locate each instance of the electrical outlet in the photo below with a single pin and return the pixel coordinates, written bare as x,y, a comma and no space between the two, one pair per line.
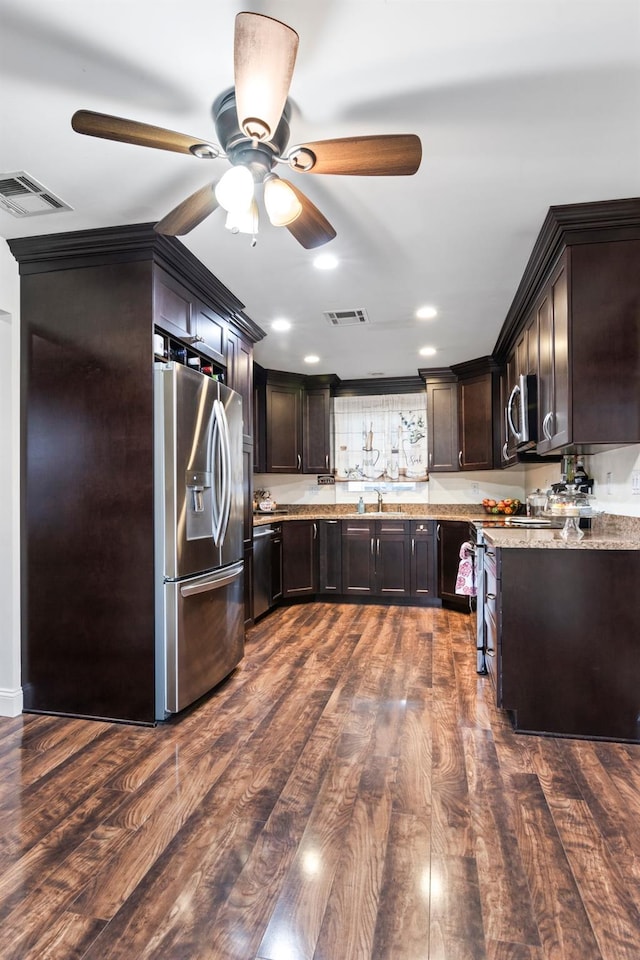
475,489
635,483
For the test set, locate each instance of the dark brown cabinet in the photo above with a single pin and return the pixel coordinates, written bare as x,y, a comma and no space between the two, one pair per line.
299,558
567,651
316,430
451,534
90,302
423,558
239,357
475,422
330,556
442,423
376,558
283,427
293,418
583,284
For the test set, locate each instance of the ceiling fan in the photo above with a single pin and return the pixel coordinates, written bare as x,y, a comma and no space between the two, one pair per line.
252,126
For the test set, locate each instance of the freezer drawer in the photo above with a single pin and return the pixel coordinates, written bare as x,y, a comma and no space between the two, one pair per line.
201,636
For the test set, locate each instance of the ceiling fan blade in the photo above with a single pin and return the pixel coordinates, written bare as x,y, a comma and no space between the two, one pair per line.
311,229
264,57
142,134
189,213
379,156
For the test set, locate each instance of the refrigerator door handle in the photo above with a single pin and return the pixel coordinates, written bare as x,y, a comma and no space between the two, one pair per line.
211,583
221,456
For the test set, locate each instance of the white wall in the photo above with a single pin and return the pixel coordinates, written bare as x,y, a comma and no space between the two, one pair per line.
10,689
612,472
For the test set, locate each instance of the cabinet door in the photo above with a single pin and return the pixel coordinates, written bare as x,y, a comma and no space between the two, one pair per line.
283,428
330,556
172,305
451,534
276,565
442,420
316,431
553,364
358,558
239,355
475,423
299,557
211,330
423,558
393,562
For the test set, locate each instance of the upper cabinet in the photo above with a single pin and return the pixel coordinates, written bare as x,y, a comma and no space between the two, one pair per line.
579,305
293,422
442,420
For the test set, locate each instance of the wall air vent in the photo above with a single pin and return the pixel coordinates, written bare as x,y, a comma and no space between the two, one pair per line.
22,196
345,318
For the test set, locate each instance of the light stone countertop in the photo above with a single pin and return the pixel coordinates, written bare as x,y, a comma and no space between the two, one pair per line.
551,540
608,532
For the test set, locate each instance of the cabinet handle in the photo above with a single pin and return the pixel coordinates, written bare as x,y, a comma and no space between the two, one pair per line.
505,455
299,461
372,553
546,429
326,460
413,547
460,458
438,532
315,530
331,521
378,547
430,460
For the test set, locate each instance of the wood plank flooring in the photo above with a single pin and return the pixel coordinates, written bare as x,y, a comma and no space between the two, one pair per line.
350,793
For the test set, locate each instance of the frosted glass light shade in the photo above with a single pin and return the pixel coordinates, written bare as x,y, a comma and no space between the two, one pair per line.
234,192
281,203
243,221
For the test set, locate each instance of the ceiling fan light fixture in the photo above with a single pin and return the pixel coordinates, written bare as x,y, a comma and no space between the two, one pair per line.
234,191
281,203
243,221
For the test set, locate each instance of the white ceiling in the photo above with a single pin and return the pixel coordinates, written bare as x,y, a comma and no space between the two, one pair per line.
519,105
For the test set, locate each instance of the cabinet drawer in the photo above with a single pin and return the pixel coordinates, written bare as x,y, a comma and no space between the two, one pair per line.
358,528
423,528
386,527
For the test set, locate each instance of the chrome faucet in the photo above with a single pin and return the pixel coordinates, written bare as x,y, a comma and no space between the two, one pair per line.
379,492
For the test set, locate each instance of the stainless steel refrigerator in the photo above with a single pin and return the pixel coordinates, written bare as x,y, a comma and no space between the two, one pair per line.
198,534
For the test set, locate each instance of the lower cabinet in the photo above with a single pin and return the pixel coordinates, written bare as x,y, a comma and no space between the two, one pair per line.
330,556
423,558
376,558
394,559
299,558
451,534
567,641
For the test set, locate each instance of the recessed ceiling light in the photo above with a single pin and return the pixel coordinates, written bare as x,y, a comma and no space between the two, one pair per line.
325,261
281,325
427,351
426,313
311,358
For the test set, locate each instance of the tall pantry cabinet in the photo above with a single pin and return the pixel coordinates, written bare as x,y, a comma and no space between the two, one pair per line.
91,302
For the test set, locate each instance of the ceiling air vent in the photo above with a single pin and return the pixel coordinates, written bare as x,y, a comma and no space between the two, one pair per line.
22,196
345,318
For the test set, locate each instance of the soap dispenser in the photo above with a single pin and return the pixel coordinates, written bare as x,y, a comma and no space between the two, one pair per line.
360,505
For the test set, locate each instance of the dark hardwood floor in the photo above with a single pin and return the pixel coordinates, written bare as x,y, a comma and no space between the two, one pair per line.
350,793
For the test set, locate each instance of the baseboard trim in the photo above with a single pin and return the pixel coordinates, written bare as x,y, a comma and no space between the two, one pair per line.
10,702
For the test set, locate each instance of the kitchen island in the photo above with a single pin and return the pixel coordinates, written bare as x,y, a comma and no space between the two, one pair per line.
566,655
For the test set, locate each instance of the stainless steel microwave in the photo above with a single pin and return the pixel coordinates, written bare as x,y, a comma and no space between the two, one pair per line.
522,412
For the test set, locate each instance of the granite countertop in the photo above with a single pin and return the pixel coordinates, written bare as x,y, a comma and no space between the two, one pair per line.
608,532
599,538
413,511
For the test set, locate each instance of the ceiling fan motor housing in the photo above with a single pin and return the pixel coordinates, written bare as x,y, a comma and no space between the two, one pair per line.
259,156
